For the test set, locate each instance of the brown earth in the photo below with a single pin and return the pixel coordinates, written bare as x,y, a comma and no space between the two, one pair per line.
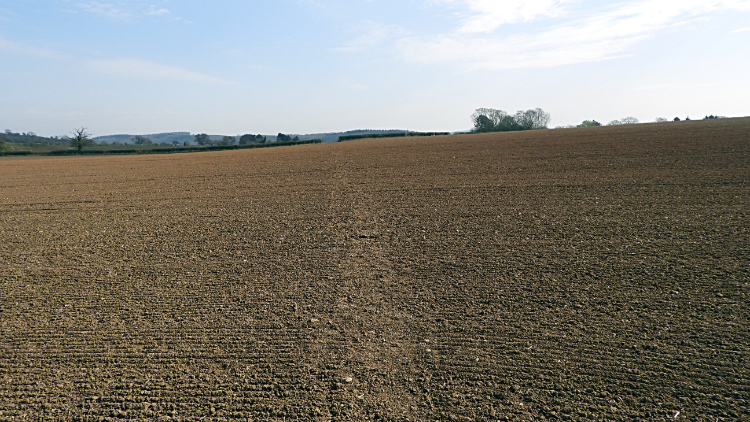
598,273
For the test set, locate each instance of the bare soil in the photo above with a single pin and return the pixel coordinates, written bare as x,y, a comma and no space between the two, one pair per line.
599,273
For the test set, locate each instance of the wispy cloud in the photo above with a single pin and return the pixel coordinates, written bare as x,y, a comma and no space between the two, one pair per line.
608,34
107,10
143,69
153,11
741,30
313,3
28,50
488,15
655,87
49,114
126,11
373,35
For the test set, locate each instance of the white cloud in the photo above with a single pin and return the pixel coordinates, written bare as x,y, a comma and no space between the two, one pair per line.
28,50
488,15
608,34
143,69
741,30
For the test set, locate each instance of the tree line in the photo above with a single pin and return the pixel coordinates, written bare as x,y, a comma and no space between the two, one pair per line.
633,121
203,139
81,139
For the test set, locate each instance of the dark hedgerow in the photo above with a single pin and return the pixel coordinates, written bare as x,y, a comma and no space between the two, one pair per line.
168,150
390,135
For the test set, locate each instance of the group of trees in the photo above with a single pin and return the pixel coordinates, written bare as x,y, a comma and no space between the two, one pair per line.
144,141
491,120
252,139
624,121
9,132
203,139
286,138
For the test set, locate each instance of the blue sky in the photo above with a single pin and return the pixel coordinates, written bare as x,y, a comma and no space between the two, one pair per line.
305,66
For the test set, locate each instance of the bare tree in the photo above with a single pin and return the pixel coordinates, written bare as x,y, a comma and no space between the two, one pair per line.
81,139
488,119
532,119
624,121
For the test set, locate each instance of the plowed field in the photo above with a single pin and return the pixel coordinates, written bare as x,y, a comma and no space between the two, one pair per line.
598,273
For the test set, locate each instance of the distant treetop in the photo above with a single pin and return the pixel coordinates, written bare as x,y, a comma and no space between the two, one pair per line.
624,121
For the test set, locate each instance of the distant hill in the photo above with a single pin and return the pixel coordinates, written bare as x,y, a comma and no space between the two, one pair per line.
183,137
166,137
157,138
31,140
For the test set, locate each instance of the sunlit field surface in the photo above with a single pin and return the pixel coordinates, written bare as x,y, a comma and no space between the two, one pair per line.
572,274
